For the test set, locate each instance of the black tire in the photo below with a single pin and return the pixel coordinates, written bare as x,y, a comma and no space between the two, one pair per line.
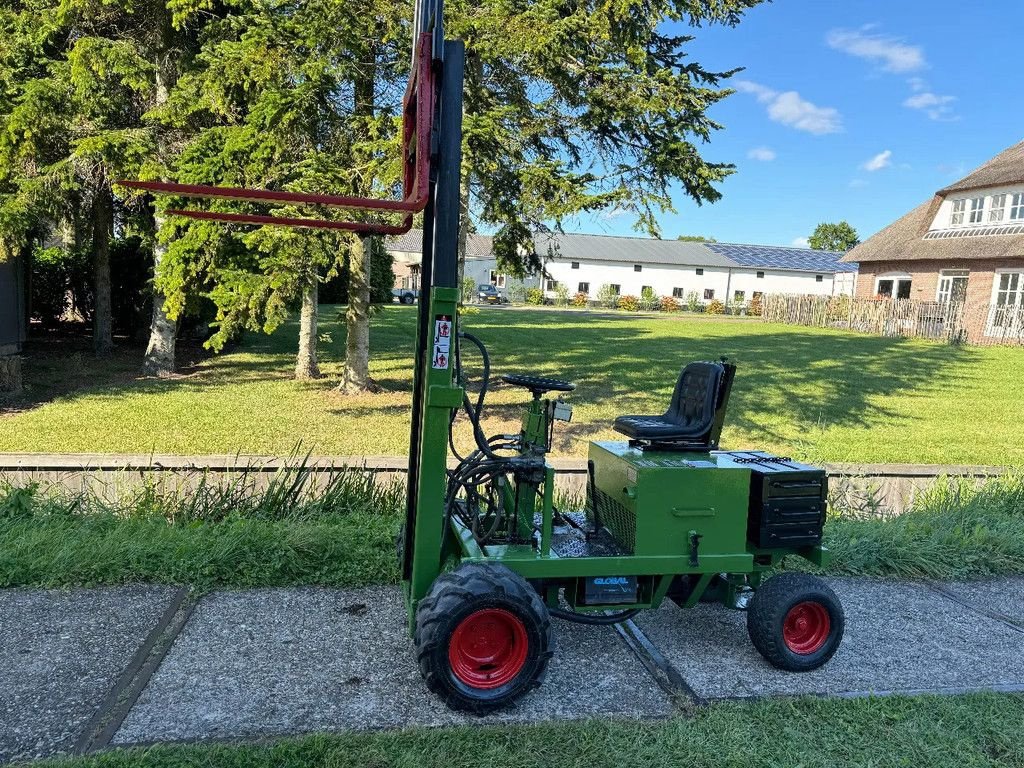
815,627
407,298
460,602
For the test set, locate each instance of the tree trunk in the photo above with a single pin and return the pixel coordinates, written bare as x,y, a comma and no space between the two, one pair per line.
306,365
10,373
474,75
163,331
102,231
463,232
355,376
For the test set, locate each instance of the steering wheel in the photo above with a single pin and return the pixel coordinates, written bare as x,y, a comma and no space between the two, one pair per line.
538,385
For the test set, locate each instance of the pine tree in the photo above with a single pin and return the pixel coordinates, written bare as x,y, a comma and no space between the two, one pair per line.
574,107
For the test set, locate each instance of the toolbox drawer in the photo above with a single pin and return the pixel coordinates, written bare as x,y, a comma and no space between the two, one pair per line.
787,505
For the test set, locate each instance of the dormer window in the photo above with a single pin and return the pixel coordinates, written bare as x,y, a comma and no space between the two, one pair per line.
1017,206
997,210
977,210
957,218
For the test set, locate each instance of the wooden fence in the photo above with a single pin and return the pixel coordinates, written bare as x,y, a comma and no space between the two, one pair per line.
954,322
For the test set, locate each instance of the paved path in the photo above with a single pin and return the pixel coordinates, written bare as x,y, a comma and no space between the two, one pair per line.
84,670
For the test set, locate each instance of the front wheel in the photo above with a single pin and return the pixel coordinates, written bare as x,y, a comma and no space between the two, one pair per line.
483,637
795,621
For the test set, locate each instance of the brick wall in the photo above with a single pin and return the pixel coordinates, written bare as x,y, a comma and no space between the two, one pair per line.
925,276
925,280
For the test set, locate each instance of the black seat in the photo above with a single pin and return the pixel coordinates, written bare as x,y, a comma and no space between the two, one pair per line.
694,417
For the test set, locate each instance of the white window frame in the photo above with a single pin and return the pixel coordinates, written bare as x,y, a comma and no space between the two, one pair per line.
1017,206
896,278
958,211
496,278
976,215
1001,322
997,209
944,288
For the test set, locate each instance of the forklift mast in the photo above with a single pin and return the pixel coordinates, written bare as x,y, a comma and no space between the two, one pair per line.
434,396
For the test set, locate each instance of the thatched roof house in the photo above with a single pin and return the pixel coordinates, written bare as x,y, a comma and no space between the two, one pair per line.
965,245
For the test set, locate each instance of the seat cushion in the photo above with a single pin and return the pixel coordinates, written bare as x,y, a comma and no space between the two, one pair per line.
691,412
649,428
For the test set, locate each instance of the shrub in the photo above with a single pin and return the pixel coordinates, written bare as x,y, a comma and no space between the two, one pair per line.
669,304
51,296
607,297
693,301
757,306
581,299
716,307
561,295
629,303
648,299
535,296
468,289
516,291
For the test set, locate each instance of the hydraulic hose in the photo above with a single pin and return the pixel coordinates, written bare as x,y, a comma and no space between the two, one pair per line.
593,619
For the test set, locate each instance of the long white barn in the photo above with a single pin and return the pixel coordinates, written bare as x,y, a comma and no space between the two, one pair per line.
585,263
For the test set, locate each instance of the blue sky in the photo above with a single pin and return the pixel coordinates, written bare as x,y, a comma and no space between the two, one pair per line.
850,109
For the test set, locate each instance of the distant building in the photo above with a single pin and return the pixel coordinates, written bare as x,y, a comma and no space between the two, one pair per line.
724,271
964,246
584,263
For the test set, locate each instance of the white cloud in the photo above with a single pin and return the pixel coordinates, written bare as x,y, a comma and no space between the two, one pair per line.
932,104
879,161
764,154
892,54
801,242
917,84
790,109
857,183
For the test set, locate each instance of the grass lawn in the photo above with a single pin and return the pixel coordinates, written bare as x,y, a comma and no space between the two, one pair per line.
936,732
823,395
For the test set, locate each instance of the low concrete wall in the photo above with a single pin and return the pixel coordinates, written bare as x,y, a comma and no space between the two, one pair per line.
882,487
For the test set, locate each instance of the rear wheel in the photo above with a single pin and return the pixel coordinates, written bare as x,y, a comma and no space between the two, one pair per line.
795,621
407,298
483,637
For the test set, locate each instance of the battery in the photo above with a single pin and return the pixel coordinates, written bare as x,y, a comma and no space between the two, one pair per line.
610,590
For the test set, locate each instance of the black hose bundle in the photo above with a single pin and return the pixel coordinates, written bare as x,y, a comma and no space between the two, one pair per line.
593,619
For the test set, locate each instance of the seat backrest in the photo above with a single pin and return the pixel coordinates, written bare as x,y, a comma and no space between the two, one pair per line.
695,398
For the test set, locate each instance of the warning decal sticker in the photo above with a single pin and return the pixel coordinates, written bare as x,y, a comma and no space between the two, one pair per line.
442,342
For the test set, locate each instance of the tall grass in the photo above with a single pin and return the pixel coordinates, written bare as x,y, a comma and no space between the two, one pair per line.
954,530
297,527
305,527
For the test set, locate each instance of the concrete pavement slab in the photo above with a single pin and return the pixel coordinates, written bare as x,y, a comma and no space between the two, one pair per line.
899,637
270,662
61,653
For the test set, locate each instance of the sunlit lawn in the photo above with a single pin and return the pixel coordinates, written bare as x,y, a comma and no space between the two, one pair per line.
819,394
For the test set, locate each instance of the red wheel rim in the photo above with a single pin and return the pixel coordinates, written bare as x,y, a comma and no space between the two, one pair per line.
806,627
488,648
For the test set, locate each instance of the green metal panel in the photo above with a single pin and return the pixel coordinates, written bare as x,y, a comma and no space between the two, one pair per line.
441,398
674,496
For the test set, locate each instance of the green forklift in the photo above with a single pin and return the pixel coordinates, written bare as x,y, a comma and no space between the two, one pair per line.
487,557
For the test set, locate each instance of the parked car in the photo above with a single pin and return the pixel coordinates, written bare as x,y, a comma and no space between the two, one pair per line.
406,295
488,294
